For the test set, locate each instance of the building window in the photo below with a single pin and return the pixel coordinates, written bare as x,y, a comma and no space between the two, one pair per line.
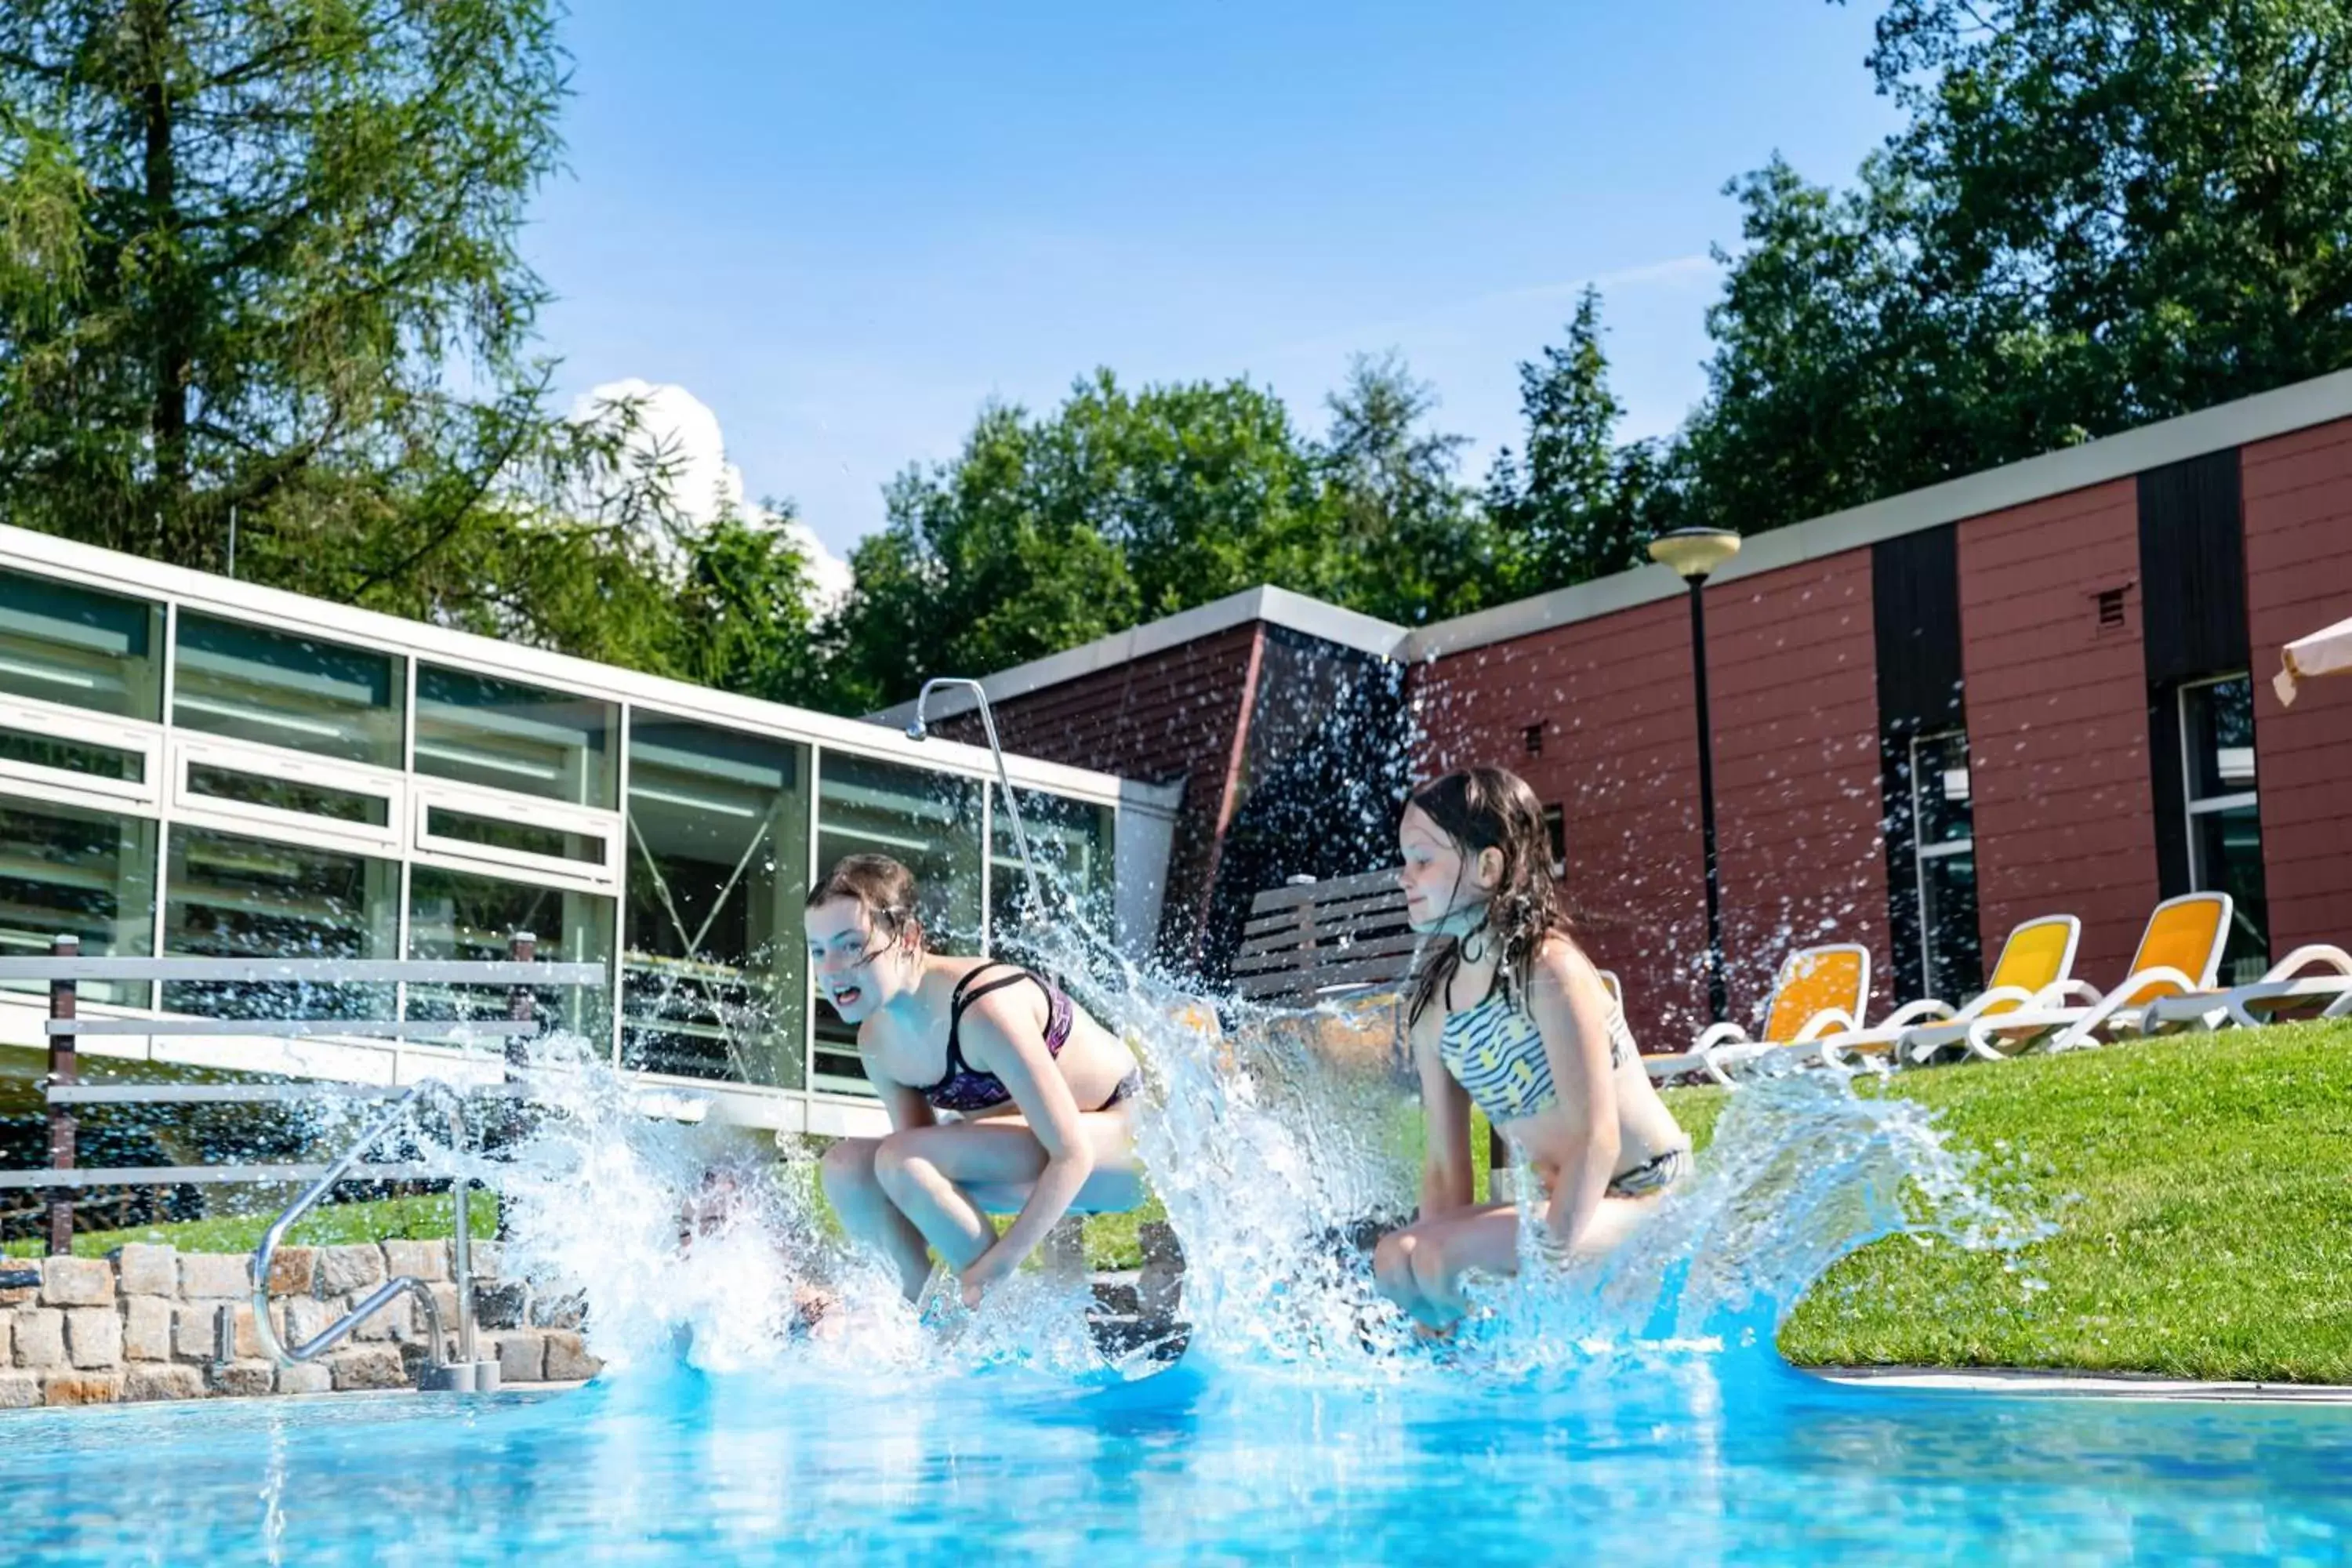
459,915
1943,821
931,823
229,896
280,689
89,874
1071,840
713,968
60,643
2224,814
1556,834
504,735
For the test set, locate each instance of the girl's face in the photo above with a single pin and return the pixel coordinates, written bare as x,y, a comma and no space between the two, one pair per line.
857,968
1443,891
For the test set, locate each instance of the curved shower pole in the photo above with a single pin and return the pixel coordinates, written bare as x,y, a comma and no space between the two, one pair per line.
919,730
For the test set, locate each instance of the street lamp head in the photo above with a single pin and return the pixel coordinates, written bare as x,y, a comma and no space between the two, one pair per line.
1694,553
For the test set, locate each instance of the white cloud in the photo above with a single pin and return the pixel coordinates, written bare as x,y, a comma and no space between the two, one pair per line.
708,484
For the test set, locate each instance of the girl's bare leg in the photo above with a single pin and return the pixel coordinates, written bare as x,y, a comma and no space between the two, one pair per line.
855,1192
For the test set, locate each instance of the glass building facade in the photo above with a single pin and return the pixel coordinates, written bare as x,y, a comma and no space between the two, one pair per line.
190,766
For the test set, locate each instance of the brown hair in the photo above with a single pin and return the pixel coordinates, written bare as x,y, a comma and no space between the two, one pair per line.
1493,808
883,886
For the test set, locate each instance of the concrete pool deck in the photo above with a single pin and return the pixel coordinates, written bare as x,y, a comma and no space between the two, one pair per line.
2081,1385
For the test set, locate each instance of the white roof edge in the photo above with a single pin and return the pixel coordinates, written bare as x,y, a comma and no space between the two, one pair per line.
110,570
2248,419
1277,606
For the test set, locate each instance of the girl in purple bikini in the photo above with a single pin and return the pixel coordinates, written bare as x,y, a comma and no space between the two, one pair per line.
1042,1096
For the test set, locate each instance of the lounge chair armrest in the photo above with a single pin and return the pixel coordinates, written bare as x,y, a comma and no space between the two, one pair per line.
1719,1035
2315,956
1912,1013
2129,994
1981,1004
2069,993
1828,1021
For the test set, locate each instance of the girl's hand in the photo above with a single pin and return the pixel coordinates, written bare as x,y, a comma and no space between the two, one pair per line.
985,1271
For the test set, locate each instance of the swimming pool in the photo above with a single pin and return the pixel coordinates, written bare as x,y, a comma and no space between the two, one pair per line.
1686,1458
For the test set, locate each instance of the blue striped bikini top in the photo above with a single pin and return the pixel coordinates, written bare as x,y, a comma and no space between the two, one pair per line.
1495,1053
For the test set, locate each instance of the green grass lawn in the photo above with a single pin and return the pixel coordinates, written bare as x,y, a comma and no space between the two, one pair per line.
2201,1188
426,1218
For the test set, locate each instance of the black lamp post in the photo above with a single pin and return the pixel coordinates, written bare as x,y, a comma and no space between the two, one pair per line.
1695,553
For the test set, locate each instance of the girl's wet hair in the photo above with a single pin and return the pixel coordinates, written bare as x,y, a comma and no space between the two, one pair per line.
883,886
1492,808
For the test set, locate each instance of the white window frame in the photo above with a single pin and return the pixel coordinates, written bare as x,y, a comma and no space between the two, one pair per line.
547,870
188,752
63,786
1922,851
2192,807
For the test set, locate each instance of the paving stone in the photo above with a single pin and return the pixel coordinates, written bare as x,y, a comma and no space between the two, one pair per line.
350,1270
19,1390
164,1380
147,1268
487,1258
566,1311
501,1306
8,1338
192,1333
425,1260
94,1338
146,1329
40,1337
307,1377
213,1275
77,1282
568,1358
368,1366
241,1379
80,1387
389,1321
293,1271
307,1318
22,1295
522,1357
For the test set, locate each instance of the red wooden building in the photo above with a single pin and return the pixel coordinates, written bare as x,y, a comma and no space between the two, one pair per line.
2042,688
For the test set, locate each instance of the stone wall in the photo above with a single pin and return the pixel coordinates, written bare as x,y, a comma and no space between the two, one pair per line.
153,1322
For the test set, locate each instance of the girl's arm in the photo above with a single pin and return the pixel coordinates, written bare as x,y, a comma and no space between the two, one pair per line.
1009,1043
1571,1015
1447,1181
906,1106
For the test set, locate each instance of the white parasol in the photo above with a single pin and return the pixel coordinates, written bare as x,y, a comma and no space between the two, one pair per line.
2325,652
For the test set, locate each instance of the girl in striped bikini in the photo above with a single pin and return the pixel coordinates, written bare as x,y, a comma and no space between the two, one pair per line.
1507,1013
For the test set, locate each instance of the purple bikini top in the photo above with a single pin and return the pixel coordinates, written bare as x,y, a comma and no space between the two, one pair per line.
966,1088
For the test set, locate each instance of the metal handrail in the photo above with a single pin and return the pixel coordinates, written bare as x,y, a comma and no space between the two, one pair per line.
316,971
465,1373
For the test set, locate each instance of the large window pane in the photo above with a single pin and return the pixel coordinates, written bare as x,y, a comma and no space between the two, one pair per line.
713,966
1955,950
508,736
2226,847
455,914
1941,790
1071,841
89,874
929,822
2225,828
2218,725
68,756
60,643
287,690
228,896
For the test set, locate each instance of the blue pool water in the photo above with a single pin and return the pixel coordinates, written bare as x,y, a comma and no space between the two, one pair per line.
1683,1459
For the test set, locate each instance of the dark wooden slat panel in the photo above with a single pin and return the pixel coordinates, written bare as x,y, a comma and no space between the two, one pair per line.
1293,958
1322,892
1301,939
1338,908
1301,982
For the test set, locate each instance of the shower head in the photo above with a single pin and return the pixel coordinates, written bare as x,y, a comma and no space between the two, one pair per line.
917,730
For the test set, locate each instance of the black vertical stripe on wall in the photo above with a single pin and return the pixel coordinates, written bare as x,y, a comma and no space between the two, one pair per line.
1915,595
2192,569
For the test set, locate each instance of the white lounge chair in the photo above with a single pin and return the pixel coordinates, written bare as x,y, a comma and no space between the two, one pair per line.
2035,966
2178,954
2314,980
1818,991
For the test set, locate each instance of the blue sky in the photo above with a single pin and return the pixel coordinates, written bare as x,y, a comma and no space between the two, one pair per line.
843,227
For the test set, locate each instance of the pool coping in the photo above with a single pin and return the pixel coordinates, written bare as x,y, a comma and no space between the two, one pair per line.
2047,1383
